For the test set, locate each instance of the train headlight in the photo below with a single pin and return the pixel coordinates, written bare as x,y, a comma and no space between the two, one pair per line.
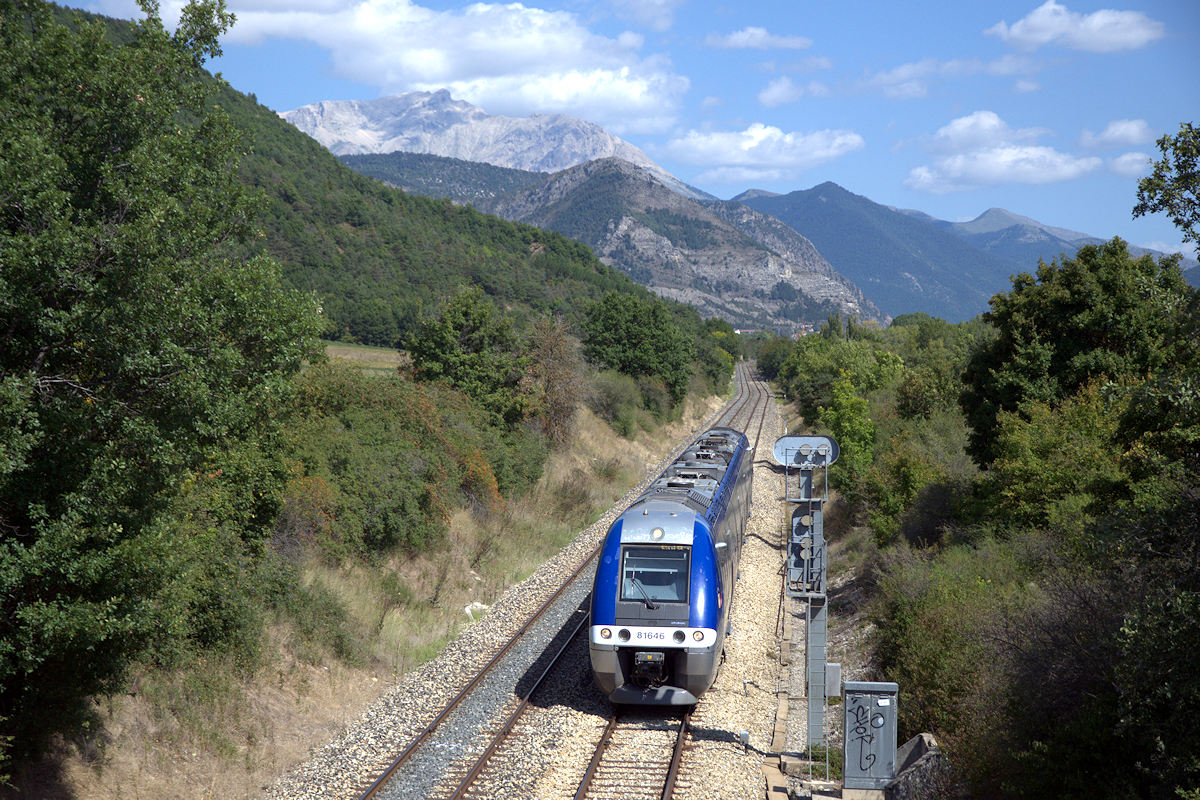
623,634
605,633
679,637
698,635
656,534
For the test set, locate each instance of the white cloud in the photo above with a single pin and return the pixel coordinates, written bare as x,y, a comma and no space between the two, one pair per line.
757,39
1131,165
979,130
912,80
981,149
761,152
784,90
1103,31
508,59
1026,86
1119,133
658,15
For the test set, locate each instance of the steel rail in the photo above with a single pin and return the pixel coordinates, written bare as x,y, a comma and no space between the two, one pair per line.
677,756
432,726
597,756
610,730
506,729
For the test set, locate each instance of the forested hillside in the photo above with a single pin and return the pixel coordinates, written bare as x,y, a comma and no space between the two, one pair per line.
439,176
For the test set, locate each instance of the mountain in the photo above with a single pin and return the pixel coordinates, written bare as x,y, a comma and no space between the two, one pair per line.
726,259
437,124
903,263
438,176
1023,241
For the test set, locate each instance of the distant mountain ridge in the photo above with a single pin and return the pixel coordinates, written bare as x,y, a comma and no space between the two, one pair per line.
1023,241
436,124
907,260
724,258
903,263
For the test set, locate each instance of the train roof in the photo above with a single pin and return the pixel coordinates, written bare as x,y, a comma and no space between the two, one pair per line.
695,477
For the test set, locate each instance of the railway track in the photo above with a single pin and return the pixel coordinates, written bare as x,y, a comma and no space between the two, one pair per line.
620,768
635,757
483,724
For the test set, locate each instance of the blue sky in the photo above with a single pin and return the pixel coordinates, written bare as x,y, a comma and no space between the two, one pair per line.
1049,110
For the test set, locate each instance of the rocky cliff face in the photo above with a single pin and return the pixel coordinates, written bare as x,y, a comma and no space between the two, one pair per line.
725,259
437,124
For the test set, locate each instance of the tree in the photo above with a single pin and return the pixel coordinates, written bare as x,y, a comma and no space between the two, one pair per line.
847,417
639,338
473,347
772,355
141,358
556,367
1100,314
1174,186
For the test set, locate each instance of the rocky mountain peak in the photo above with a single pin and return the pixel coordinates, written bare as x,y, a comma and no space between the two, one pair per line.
434,123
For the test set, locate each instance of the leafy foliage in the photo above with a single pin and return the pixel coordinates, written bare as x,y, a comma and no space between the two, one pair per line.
847,418
383,460
639,338
1100,314
471,346
1174,186
144,364
556,368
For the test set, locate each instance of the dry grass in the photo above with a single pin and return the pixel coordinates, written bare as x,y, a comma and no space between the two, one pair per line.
374,359
210,732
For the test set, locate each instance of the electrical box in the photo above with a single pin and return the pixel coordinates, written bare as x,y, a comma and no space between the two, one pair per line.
869,750
833,679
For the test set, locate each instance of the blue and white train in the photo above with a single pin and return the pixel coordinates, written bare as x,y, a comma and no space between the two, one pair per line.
663,586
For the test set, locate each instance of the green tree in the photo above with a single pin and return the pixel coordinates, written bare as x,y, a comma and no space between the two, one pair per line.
472,346
1174,186
139,355
1099,314
815,363
771,356
848,418
640,338
1053,463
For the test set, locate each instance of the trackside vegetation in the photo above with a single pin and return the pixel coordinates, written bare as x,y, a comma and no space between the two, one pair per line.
1030,483
178,458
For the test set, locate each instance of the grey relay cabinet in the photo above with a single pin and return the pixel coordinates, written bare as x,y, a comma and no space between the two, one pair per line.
871,724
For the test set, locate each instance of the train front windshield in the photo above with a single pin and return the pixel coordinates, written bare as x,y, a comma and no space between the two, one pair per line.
658,574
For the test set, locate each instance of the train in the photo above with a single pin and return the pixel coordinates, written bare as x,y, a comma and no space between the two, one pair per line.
666,574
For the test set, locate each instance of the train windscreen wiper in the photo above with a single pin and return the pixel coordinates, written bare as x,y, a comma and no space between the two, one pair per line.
645,595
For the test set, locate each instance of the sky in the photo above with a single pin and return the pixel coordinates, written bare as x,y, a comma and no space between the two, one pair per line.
1049,110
